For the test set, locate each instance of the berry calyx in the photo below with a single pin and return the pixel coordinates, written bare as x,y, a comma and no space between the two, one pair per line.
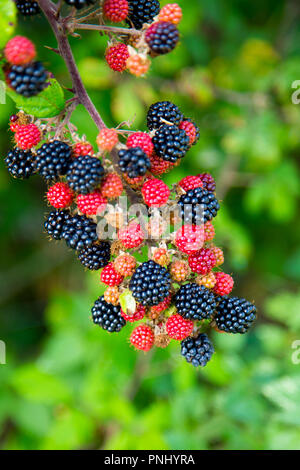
178,327
171,13
203,261
110,276
142,338
125,264
107,139
27,136
60,195
224,284
111,186
19,51
155,193
116,57
131,236
142,140
189,238
115,10
91,204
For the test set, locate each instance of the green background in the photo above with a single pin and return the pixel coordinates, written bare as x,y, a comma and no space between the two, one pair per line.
69,385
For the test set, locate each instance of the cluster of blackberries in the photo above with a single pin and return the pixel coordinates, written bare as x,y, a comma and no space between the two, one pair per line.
28,7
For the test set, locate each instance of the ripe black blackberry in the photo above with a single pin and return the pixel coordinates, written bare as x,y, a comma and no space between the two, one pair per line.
96,256
197,351
195,302
79,4
20,163
85,174
52,159
134,162
170,143
28,7
234,315
79,232
54,225
107,316
162,37
198,206
27,80
142,11
163,110
150,283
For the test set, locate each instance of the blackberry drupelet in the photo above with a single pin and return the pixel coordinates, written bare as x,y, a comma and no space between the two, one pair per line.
79,232
54,225
197,351
28,7
195,302
150,283
52,160
108,316
234,315
170,143
142,11
20,163
27,80
163,110
162,37
198,206
96,256
134,162
84,174
79,4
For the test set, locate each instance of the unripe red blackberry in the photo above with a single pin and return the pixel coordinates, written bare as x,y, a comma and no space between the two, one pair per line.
111,186
111,295
189,238
170,12
161,256
107,139
107,316
219,255
27,136
179,271
209,280
138,65
224,284
197,351
142,338
96,256
155,310
155,193
142,140
19,51
159,166
190,182
82,148
178,327
203,261
162,37
191,130
208,182
136,316
110,276
125,264
116,56
131,236
60,195
170,143
142,11
115,10
91,204
209,231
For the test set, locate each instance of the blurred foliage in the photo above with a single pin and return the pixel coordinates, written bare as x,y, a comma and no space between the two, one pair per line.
68,384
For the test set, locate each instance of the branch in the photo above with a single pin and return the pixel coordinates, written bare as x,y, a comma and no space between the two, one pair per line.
50,11
111,29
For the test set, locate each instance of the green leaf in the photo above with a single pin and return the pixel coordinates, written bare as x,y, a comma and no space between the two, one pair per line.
7,20
48,103
127,301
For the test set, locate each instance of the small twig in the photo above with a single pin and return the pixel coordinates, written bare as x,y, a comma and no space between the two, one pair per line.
110,29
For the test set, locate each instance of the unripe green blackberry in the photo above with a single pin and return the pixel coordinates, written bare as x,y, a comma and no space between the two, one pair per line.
107,316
